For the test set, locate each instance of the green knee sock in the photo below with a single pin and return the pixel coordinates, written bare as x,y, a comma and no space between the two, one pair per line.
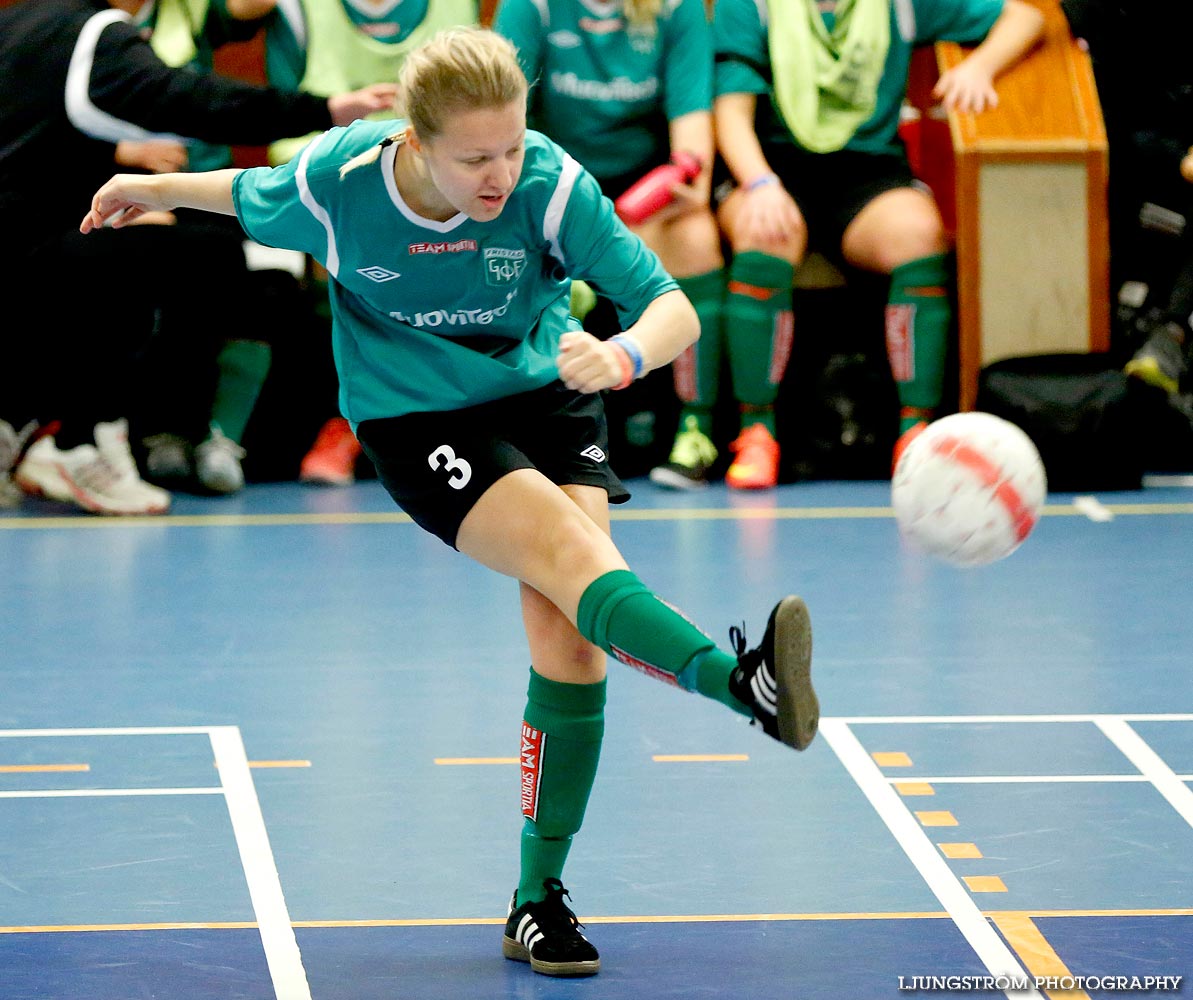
243,366
758,325
698,370
919,314
618,613
561,745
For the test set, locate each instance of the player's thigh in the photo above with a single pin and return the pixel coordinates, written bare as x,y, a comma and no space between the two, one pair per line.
687,244
526,527
557,649
897,226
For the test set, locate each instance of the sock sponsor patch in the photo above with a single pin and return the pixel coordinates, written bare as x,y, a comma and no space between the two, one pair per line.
642,666
534,745
899,342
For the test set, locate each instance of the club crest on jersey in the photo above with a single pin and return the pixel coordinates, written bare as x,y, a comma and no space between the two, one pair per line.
502,266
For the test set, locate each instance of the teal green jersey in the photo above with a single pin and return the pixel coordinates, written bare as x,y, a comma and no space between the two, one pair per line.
430,315
743,59
606,90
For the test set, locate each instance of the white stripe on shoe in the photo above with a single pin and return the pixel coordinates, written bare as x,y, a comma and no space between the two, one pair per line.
766,692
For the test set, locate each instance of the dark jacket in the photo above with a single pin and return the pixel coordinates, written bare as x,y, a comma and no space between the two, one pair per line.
76,77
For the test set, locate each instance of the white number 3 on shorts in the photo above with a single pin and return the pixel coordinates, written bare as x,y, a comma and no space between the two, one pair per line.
444,458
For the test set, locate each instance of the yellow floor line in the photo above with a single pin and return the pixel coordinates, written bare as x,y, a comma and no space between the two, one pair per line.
1037,954
42,768
1013,919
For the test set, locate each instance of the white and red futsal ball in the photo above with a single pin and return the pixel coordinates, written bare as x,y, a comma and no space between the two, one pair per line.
968,489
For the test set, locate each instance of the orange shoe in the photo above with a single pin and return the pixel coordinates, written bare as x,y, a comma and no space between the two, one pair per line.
756,466
332,459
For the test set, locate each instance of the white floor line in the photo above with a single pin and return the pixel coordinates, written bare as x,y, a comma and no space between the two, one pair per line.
1151,765
120,731
985,941
1094,509
265,888
1022,779
869,720
82,793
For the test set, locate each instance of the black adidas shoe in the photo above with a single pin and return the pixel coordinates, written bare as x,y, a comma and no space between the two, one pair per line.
547,935
775,679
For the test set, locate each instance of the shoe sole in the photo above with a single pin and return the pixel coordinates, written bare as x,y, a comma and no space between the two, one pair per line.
511,949
66,491
799,708
676,481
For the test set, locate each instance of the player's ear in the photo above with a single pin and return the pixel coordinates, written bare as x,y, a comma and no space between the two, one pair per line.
413,141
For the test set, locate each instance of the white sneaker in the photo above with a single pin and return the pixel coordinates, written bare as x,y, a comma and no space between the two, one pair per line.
112,441
217,463
81,476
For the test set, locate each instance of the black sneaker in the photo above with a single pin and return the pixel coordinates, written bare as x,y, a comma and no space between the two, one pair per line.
547,935
692,455
1161,360
775,679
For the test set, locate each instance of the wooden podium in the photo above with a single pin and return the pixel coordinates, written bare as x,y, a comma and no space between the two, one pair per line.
1031,222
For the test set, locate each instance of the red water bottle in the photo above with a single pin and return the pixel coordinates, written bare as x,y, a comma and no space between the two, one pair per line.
653,191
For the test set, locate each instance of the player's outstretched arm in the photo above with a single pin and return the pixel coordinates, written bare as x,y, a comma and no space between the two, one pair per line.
666,327
127,196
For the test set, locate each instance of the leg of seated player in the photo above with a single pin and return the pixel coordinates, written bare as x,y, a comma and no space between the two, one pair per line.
900,233
689,247
759,327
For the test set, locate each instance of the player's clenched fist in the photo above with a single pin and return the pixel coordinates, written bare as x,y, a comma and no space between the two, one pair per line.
587,364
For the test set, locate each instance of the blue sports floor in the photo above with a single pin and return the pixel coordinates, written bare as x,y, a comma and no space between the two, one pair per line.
265,747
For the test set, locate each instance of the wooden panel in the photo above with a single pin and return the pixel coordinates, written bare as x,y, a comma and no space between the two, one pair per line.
1031,232
1042,211
1047,103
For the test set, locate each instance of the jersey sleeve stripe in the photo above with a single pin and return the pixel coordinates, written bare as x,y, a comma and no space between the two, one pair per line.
291,11
84,115
332,263
553,220
905,17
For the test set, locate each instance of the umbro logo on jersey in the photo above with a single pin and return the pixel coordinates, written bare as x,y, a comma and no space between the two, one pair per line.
377,273
593,452
564,39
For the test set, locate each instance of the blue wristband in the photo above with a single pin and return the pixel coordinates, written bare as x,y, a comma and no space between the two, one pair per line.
762,181
633,349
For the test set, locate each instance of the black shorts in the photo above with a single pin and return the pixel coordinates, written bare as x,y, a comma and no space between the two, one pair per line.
831,189
437,465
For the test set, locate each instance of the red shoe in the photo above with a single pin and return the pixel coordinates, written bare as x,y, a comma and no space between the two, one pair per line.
332,459
909,435
757,464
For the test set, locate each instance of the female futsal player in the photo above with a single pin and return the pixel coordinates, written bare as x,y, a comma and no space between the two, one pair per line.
451,237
